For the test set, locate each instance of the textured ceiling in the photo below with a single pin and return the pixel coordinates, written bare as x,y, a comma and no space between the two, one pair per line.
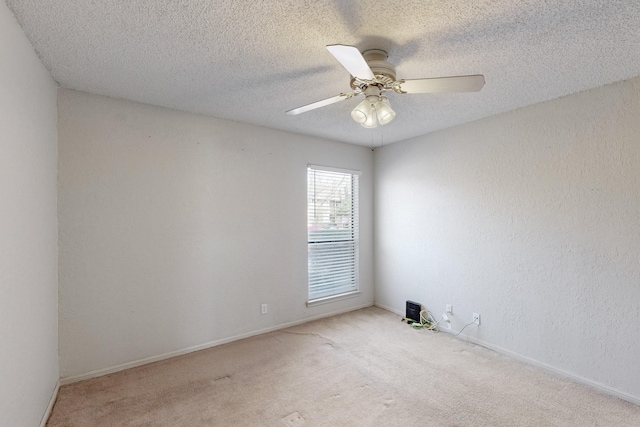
250,61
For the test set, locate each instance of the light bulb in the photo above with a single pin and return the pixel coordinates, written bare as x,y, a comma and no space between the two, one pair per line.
362,112
384,111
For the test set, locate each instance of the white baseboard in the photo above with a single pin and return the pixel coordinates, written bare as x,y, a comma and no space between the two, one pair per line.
112,369
547,368
52,401
551,370
384,307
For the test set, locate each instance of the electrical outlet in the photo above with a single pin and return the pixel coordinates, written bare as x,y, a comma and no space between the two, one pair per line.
447,321
264,308
476,318
449,309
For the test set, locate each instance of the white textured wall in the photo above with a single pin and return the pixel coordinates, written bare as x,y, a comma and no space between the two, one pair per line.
175,227
28,230
532,219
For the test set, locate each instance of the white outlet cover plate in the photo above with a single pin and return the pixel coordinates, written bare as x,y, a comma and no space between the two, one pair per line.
476,318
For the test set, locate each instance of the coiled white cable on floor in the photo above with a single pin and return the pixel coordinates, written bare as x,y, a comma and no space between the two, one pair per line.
427,321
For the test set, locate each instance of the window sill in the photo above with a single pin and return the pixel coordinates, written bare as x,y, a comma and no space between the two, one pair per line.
332,298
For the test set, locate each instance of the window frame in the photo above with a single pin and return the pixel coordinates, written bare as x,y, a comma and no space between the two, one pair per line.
354,258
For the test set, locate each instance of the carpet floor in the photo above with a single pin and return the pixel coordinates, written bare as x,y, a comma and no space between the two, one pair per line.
364,368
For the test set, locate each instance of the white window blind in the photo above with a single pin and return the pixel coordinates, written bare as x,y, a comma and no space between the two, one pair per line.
332,224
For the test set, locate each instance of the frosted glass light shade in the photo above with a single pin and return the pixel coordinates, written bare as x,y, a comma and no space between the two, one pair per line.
384,111
362,112
371,121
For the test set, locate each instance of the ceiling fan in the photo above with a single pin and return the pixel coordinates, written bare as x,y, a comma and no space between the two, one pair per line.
372,75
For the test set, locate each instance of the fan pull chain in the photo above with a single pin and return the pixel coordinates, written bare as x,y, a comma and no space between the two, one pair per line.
372,143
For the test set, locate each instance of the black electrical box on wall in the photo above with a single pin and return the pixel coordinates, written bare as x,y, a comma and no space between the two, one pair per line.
413,311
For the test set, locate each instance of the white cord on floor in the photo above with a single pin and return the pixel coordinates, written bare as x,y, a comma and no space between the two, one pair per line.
427,321
465,327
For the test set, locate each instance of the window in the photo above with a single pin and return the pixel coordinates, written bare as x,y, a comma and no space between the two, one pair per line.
332,229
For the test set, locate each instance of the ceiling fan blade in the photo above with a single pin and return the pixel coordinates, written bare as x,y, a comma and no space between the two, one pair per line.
443,84
352,60
319,104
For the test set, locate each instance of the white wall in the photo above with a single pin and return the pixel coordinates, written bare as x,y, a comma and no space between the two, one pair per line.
532,219
175,227
28,230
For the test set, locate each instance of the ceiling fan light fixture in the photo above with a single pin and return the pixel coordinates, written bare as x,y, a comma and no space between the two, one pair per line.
371,121
384,111
367,110
362,112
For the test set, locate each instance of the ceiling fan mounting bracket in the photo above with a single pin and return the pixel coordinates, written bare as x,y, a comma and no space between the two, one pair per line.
396,86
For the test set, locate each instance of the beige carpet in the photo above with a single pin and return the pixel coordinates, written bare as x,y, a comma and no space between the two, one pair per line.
364,368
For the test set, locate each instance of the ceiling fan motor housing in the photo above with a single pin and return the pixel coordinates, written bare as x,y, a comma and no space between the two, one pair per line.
377,61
